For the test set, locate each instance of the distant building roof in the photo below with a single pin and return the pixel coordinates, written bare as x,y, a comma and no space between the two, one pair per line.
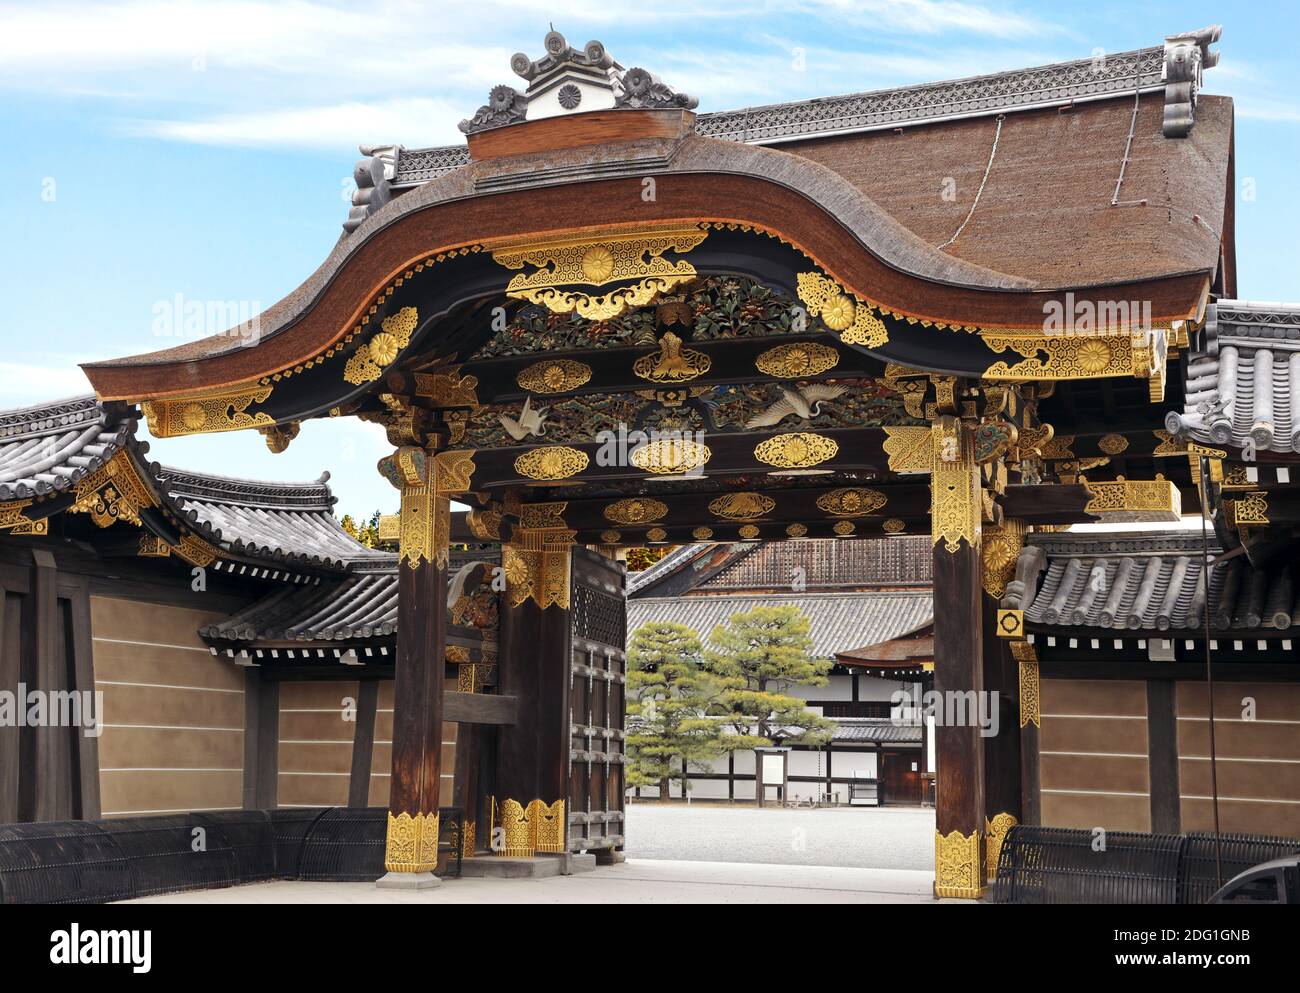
881,731
839,621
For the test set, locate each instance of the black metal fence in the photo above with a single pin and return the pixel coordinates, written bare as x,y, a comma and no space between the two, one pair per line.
121,858
1041,865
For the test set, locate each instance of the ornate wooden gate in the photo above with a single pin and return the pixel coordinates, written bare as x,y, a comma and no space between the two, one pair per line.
597,691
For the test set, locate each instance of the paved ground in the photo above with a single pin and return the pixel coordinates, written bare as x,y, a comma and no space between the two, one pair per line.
637,881
861,837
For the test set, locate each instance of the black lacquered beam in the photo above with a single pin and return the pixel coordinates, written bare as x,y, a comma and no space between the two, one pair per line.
731,360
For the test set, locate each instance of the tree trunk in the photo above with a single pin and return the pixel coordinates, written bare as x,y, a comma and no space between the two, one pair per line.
663,789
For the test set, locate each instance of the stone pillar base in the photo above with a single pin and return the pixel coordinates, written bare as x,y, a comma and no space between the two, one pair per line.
408,881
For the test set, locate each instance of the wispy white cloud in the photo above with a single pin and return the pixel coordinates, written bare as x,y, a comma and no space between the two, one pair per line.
317,73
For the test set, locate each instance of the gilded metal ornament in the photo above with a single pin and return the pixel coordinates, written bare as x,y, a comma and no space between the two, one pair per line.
702,534
1027,661
554,376
552,462
908,449
539,827
851,501
844,528
636,510
958,865
412,842
955,503
672,455
998,554
114,492
742,506
797,360
749,532
1249,509
610,537
796,530
569,260
855,321
672,363
1135,500
1112,444
447,388
995,832
893,525
656,534
369,360
797,450
536,565
1011,622
14,520
221,411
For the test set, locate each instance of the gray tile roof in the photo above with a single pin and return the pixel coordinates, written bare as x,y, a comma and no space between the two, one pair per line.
1242,383
285,522
880,731
362,605
840,621
48,448
1147,582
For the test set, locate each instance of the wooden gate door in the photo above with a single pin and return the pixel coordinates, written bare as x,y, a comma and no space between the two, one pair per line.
597,688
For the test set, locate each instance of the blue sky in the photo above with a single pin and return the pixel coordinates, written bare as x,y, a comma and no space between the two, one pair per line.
205,149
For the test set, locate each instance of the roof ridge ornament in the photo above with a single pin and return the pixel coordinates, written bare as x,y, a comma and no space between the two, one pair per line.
1187,56
568,81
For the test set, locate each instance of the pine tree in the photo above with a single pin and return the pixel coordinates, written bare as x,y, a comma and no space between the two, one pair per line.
758,656
669,695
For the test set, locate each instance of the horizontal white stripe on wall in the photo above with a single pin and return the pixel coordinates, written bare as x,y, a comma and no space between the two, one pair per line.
166,686
1101,717
1221,758
311,710
1093,793
1236,720
287,772
316,741
1240,799
166,769
157,644
1109,755
174,727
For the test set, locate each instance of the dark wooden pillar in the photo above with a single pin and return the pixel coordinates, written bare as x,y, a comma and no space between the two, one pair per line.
1002,763
1031,810
52,787
532,759
1162,754
363,743
958,662
426,481
261,740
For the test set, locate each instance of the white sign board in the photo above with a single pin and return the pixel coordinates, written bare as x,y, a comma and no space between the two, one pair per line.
773,770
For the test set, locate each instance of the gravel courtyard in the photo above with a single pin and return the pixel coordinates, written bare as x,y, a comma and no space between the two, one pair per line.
860,837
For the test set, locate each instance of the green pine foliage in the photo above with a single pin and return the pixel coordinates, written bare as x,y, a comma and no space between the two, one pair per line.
669,698
758,656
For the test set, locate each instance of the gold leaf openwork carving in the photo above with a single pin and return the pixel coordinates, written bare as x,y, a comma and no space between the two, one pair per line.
211,412
554,376
955,505
797,450
851,501
958,867
742,506
702,534
412,842
797,360
908,449
999,551
368,361
854,321
552,462
796,530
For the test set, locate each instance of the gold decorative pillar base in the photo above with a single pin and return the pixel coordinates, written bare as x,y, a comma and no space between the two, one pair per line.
412,843
528,830
959,865
995,832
